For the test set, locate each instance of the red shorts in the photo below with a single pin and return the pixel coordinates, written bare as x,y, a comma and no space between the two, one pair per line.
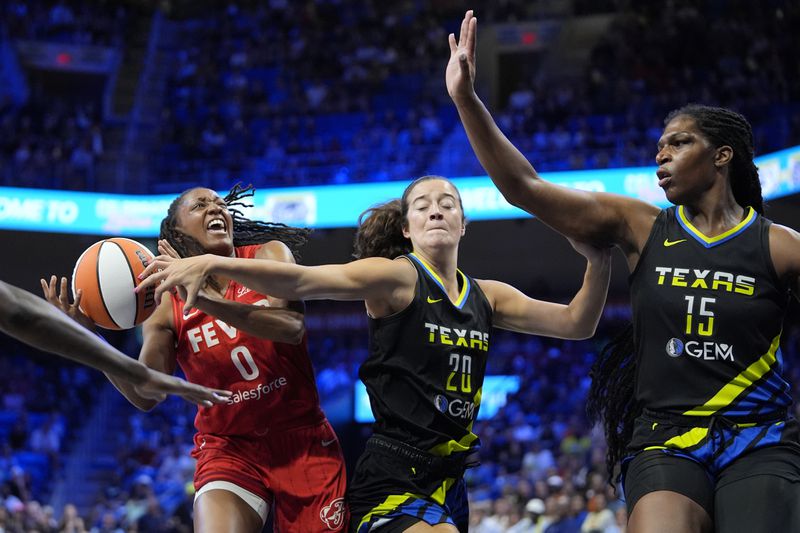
299,471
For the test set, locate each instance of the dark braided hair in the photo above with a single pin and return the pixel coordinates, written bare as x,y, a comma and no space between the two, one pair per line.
245,231
380,228
724,127
611,396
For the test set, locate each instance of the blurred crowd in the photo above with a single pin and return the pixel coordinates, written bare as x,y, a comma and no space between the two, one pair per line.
325,92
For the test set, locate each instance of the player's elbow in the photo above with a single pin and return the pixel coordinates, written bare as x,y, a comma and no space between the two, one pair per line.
295,330
578,328
582,330
145,405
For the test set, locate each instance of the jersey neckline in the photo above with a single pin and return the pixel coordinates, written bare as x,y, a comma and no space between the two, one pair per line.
709,242
465,284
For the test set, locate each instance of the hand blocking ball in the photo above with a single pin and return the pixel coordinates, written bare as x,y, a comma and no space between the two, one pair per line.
107,274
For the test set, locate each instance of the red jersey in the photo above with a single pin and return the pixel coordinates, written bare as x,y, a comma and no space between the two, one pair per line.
272,382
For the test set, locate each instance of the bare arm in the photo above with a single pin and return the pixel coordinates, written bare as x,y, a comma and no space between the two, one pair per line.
272,320
784,244
157,353
374,280
515,311
41,325
596,218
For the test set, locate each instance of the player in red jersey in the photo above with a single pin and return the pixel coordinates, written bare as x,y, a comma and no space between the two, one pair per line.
269,445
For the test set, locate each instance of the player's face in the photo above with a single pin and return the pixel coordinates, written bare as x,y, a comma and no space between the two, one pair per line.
435,219
685,161
204,216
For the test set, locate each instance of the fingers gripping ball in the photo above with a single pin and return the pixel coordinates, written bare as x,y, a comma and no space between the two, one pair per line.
107,274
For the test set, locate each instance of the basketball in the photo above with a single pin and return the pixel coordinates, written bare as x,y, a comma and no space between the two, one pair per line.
107,274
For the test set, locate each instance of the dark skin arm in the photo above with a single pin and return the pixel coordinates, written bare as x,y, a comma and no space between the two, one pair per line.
276,319
784,244
599,219
37,323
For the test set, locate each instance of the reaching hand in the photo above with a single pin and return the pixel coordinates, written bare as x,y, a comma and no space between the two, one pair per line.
186,275
158,385
60,299
592,253
165,248
460,73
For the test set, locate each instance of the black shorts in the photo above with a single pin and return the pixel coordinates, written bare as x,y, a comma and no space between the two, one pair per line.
746,476
390,491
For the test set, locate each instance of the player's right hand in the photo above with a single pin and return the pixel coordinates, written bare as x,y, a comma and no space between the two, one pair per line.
157,385
60,298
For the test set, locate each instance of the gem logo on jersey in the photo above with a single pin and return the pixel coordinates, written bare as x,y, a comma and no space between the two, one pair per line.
332,515
707,351
456,408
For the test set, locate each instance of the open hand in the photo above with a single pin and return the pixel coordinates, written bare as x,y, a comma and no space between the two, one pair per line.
460,72
58,294
158,385
187,275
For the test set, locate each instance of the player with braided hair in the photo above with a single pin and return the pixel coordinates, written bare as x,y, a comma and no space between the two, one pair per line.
270,444
693,398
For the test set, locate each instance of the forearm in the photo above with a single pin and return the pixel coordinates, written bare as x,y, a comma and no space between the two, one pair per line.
509,169
571,212
42,326
276,324
585,309
128,389
278,279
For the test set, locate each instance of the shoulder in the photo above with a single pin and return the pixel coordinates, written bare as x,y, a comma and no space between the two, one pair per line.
275,250
784,246
494,290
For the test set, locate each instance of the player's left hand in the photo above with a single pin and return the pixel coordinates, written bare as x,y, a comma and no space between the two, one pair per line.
157,385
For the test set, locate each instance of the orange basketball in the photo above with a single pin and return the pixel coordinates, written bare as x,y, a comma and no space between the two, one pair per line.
107,274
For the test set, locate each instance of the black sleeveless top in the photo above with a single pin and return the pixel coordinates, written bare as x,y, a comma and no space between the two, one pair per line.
707,317
425,371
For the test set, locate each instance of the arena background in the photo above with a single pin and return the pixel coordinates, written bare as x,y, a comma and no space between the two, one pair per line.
127,98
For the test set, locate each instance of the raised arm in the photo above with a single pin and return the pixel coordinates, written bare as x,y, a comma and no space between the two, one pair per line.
597,218
376,280
515,311
39,324
276,319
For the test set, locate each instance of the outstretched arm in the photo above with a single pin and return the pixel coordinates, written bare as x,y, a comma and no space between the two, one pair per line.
272,320
39,324
515,311
375,279
597,218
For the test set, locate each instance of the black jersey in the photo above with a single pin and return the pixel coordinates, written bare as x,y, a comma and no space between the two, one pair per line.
426,365
707,315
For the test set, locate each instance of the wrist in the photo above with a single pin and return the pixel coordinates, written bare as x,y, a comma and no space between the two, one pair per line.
466,99
214,265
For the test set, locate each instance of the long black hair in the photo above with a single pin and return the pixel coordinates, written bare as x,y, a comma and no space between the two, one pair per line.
611,399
